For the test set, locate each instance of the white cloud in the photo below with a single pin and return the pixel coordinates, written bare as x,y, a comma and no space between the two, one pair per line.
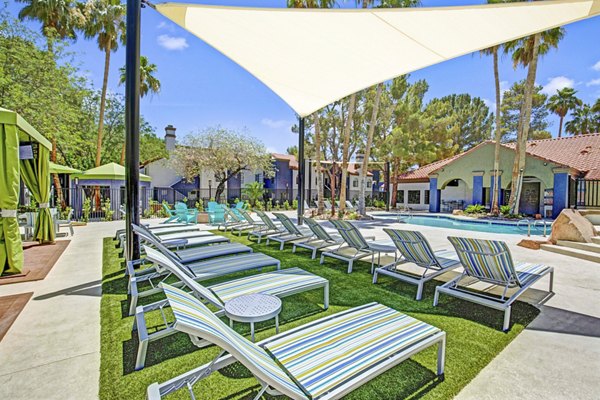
556,83
490,104
275,124
596,67
166,26
172,42
593,82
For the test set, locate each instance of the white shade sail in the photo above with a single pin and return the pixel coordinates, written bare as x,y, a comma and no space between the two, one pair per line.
311,58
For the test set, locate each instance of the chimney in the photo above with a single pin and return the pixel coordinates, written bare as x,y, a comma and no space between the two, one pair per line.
170,137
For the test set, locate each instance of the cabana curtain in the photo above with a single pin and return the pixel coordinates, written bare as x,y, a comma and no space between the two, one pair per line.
11,251
313,57
36,175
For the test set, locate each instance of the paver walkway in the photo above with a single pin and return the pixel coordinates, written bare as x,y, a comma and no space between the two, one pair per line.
52,350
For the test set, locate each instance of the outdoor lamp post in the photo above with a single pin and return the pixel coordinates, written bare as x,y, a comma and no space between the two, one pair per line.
209,189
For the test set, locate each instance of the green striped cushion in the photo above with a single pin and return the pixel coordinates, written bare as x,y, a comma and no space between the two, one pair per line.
351,235
201,253
226,265
287,223
195,315
330,352
275,283
318,230
485,259
265,218
413,246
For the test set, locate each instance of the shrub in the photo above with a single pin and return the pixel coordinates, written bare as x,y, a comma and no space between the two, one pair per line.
295,204
200,205
86,208
505,210
286,205
259,205
254,191
475,209
108,212
352,215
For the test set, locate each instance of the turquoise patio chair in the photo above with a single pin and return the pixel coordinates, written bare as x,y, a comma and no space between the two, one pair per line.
171,214
216,213
185,214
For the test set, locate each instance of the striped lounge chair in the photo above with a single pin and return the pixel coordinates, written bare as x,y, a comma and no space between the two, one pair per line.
231,220
250,223
293,234
490,261
415,250
158,230
184,240
280,283
142,282
268,228
357,246
321,239
305,362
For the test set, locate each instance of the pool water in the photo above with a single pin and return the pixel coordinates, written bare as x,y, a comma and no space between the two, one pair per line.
442,221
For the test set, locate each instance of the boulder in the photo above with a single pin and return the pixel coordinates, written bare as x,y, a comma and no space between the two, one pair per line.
571,225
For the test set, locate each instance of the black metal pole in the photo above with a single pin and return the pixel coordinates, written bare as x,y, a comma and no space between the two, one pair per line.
132,125
387,186
300,169
310,180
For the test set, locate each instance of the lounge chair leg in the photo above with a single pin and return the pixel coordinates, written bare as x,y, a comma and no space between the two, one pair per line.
326,296
441,356
314,254
375,276
436,298
350,266
506,319
372,262
552,281
419,291
322,259
132,304
293,248
141,355
281,246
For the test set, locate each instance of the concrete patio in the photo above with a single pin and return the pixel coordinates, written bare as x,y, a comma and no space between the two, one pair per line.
53,349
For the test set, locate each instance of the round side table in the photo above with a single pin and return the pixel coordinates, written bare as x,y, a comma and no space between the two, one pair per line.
253,308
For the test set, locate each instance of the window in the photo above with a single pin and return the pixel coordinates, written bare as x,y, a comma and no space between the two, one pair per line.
427,197
414,197
355,183
400,197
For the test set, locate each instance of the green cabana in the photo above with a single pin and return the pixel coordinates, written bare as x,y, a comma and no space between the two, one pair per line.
24,153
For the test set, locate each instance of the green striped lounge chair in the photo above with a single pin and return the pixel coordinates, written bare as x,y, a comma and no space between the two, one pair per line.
305,362
293,234
144,282
231,220
268,228
415,250
280,283
490,262
357,246
321,239
250,223
158,230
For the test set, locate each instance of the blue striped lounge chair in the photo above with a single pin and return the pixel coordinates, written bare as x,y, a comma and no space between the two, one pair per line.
142,283
415,250
293,234
267,228
321,239
280,283
158,230
357,246
305,362
490,262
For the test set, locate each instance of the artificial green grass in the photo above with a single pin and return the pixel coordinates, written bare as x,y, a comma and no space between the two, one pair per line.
474,335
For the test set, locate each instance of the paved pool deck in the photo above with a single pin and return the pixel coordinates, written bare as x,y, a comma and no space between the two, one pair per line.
52,351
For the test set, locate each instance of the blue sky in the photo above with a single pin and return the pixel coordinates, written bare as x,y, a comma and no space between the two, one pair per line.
201,88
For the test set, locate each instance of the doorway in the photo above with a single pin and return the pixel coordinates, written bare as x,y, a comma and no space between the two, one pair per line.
530,198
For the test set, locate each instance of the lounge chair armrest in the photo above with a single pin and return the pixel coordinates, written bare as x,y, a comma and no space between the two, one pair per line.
175,242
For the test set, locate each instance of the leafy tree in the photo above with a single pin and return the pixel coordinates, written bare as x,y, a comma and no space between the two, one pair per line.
59,18
105,21
596,106
472,120
584,121
561,103
513,102
224,152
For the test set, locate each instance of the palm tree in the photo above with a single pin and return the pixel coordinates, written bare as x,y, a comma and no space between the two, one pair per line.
561,103
148,84
106,23
596,106
584,121
59,19
526,52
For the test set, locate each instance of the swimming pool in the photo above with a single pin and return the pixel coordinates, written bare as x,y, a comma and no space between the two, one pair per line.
442,221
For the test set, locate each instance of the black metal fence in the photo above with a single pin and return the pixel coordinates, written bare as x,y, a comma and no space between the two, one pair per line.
587,193
93,203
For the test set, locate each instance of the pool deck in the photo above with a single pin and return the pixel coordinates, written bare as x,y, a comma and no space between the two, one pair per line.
53,349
